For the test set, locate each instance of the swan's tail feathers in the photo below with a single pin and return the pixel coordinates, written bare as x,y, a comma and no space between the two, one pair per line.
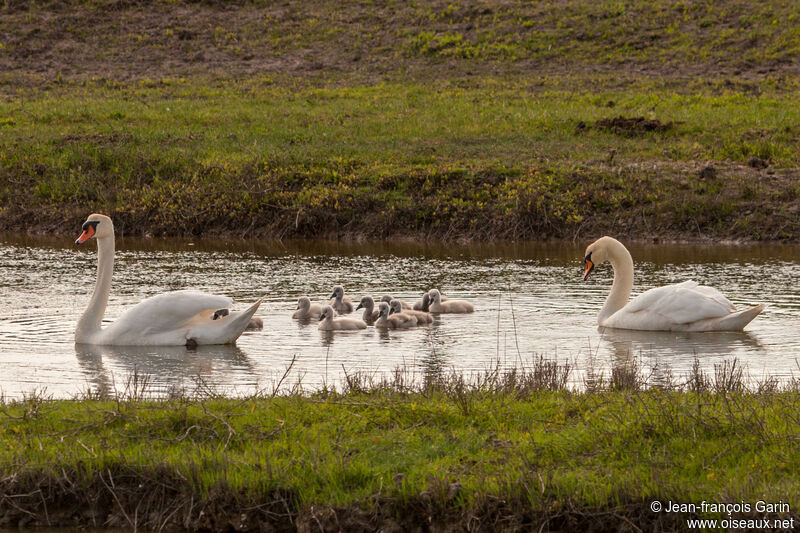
241,321
737,321
226,329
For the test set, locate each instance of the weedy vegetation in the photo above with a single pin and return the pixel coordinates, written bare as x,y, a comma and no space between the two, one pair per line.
502,450
447,120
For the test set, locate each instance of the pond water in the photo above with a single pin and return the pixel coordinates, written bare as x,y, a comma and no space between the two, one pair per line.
530,302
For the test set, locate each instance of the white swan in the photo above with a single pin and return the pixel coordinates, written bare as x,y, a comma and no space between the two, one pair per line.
449,306
396,321
395,306
328,323
169,319
685,306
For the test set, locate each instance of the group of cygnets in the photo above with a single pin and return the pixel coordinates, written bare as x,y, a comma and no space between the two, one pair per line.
391,313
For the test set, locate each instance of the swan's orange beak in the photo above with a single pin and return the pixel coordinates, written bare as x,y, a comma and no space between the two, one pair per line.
87,234
589,268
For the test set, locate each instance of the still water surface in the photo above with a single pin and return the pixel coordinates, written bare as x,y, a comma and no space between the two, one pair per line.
530,302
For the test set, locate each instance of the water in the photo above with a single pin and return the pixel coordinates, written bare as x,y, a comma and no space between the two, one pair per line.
530,301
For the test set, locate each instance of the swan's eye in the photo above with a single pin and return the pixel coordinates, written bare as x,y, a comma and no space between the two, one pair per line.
90,224
88,230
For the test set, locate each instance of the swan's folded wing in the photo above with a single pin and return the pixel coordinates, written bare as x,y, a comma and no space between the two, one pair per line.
682,303
171,310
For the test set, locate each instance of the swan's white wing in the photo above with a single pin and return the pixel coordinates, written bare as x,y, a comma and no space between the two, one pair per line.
672,305
174,318
170,311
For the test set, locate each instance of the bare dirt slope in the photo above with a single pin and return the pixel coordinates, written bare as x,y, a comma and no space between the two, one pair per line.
128,40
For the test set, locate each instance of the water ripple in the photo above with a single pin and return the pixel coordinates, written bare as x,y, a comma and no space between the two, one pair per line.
529,300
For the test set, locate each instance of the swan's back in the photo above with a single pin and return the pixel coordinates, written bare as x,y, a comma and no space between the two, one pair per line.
307,309
174,318
682,302
422,317
330,323
389,299
685,306
396,321
449,306
171,310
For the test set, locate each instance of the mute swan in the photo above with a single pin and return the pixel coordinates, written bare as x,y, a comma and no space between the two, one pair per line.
341,304
370,313
450,306
328,323
424,304
305,309
396,321
685,306
388,299
422,317
168,319
255,324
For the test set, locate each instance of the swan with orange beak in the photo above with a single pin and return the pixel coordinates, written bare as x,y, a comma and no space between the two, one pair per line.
686,306
169,319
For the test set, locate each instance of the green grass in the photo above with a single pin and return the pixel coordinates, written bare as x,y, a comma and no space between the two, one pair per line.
303,160
544,454
390,127
372,119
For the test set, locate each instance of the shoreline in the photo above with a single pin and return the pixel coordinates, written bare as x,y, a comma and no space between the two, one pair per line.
403,242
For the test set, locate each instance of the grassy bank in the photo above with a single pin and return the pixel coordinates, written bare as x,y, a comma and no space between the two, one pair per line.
492,160
464,120
507,452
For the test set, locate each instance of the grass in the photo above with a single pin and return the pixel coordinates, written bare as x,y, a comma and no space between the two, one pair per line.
515,447
449,120
368,38
492,159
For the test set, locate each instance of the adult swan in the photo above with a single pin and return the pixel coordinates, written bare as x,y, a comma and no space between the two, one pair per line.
170,319
684,306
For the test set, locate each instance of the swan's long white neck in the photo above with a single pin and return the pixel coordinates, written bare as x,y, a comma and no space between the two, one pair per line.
622,263
91,319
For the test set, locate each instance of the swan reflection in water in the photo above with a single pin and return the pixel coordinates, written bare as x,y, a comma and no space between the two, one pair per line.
109,369
676,349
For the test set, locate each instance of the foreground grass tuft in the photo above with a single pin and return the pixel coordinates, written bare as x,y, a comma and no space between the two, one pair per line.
505,451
